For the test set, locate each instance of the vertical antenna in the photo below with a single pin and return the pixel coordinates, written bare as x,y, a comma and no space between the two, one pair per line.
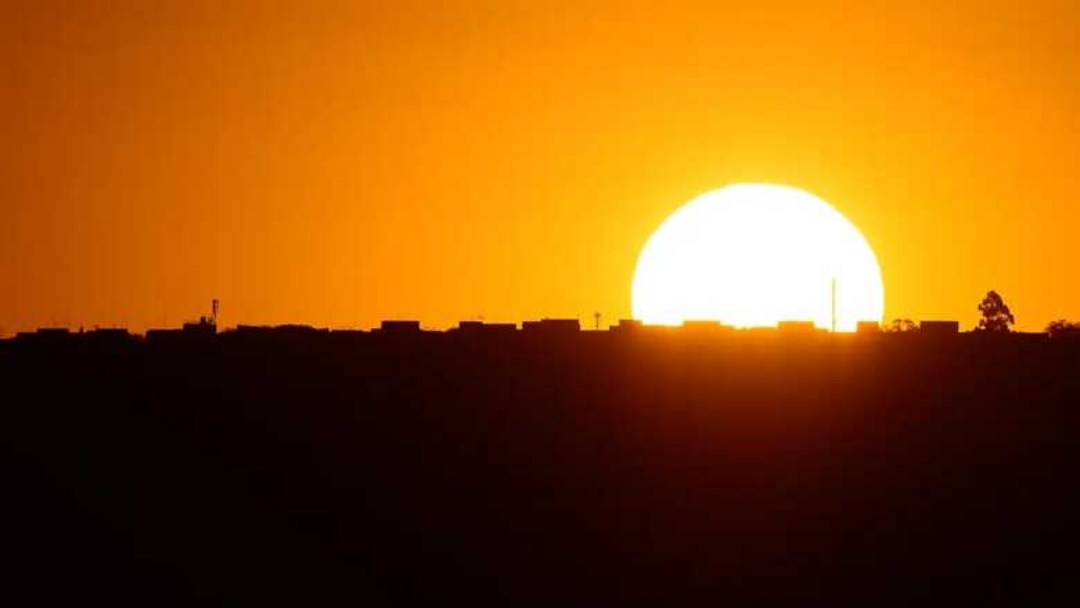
834,305
213,312
596,317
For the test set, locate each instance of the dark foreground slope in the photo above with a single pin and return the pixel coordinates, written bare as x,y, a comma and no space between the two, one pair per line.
598,468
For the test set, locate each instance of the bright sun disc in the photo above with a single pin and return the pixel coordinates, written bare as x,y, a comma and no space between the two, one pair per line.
752,255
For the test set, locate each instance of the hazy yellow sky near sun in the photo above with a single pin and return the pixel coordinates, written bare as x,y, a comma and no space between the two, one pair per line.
340,163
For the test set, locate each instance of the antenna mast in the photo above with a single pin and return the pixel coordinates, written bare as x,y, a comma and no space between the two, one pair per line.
834,305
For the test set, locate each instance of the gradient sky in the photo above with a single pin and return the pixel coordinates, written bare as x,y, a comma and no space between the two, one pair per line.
340,163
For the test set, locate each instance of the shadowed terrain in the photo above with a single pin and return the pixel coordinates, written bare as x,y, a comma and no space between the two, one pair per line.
585,468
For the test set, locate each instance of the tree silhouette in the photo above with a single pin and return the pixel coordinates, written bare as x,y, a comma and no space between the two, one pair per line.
996,316
1062,328
902,326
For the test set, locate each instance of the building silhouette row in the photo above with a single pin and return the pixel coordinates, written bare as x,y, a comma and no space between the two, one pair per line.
206,328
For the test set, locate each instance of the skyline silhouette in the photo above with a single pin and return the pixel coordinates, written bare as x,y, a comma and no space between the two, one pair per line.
996,317
539,466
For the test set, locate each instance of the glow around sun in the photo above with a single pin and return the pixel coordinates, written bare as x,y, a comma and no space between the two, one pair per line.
752,255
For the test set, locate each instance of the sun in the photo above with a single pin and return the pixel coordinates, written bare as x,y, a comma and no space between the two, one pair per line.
752,255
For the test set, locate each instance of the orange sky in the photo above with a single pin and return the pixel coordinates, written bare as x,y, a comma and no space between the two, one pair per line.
340,163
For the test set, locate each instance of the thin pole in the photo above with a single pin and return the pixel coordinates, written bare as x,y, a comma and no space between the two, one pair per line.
834,305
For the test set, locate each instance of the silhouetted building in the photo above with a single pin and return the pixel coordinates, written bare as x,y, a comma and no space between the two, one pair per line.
109,337
203,327
293,329
345,333
400,327
45,335
109,333
253,330
796,327
552,326
276,332
474,328
705,327
868,327
939,328
158,335
627,325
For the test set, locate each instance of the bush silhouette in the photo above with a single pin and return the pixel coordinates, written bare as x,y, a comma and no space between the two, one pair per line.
902,326
1062,328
